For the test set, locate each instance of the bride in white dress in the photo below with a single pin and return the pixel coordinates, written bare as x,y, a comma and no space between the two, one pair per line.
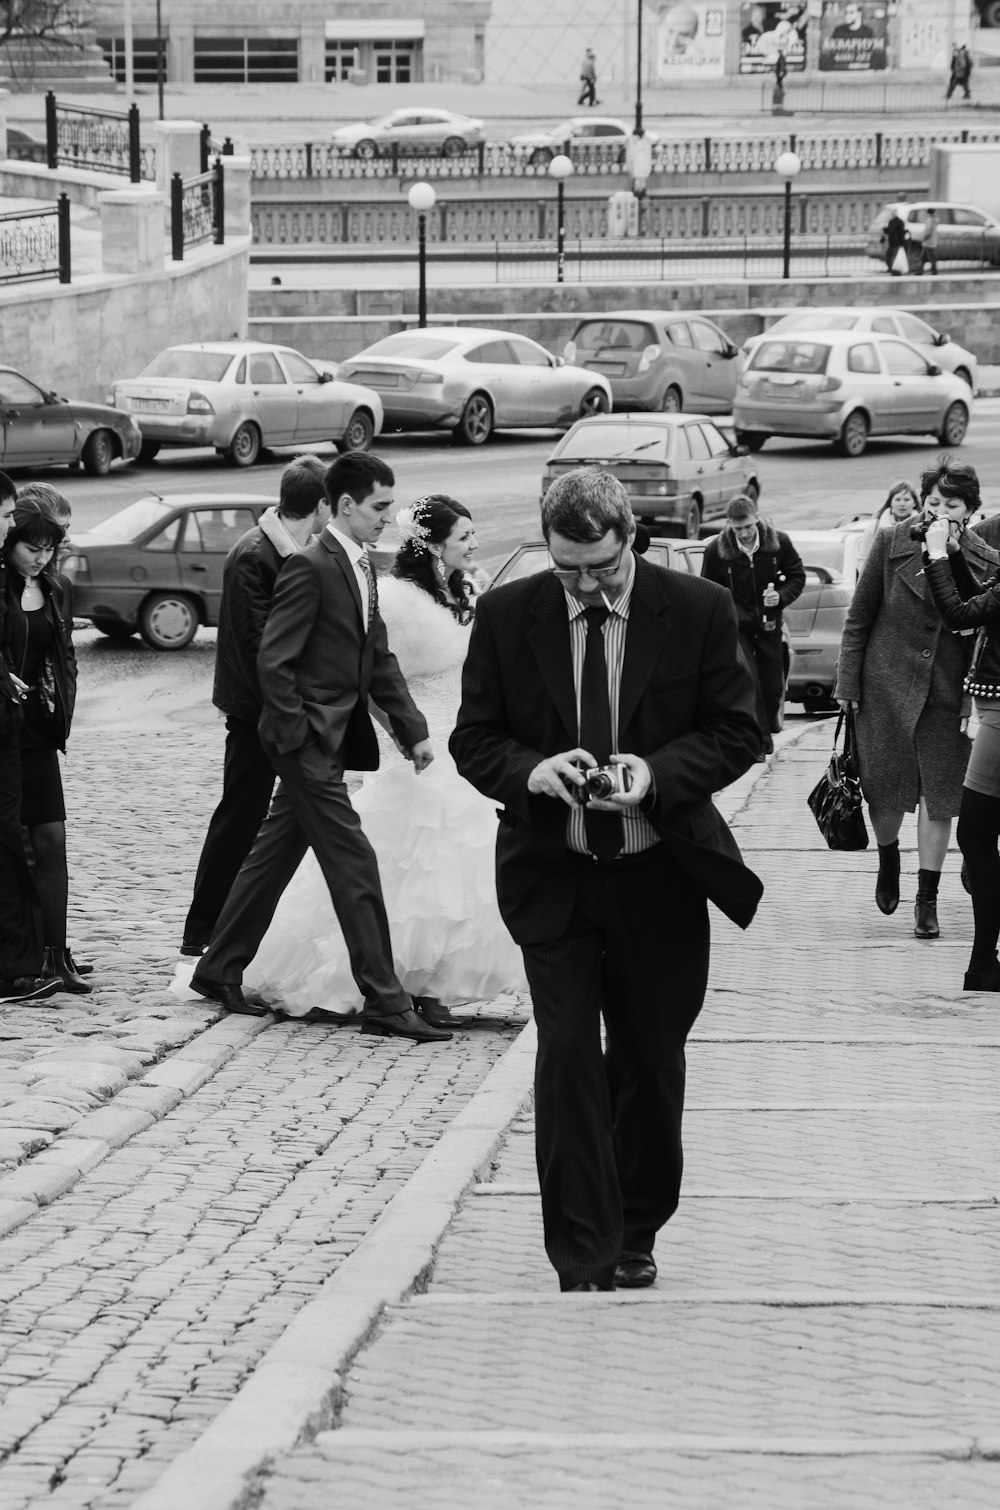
433,834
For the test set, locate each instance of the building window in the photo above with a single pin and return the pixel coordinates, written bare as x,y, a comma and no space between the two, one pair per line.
394,62
341,58
246,60
143,57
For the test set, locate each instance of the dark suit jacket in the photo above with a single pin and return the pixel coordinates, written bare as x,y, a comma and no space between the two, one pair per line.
248,579
318,666
686,706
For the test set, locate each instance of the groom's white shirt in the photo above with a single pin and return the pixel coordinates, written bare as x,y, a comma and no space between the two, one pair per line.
354,554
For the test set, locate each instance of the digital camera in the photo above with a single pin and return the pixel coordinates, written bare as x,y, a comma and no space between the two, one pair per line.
604,781
919,528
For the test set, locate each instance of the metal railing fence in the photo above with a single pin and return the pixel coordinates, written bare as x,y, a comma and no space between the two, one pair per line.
36,244
78,136
197,210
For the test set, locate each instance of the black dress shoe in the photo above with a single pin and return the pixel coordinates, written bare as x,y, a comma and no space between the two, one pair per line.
227,995
404,1025
587,1287
191,950
317,1015
435,1012
635,1271
29,988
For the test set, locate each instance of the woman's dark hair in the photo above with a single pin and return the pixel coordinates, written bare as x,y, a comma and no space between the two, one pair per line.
899,487
435,516
953,479
32,525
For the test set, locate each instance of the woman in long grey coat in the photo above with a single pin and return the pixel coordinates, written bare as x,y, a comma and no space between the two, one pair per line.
902,669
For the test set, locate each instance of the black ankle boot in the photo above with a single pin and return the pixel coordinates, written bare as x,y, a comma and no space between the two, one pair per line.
925,921
59,965
985,978
887,884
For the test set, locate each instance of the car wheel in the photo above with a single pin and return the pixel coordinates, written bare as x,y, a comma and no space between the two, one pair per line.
453,147
961,372
476,425
752,490
672,401
541,157
244,448
752,439
114,628
359,432
168,621
366,148
149,450
594,401
954,424
854,435
690,526
98,453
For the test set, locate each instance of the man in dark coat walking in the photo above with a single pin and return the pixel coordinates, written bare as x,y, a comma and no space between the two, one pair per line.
607,661
762,569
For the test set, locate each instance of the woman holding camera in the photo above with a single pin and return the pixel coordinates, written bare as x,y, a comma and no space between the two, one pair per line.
965,604
902,669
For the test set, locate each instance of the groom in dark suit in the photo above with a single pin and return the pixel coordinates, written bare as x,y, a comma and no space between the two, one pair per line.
606,660
322,654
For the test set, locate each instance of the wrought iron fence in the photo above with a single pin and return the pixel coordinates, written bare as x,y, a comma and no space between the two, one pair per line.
78,136
36,243
649,260
819,152
197,210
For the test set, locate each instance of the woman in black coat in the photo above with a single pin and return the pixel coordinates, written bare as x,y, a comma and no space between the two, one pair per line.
38,650
965,604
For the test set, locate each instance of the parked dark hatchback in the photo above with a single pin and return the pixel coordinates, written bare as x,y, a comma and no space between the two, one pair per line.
157,566
40,429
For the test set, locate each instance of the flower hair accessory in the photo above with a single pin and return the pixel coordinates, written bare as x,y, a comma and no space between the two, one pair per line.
411,530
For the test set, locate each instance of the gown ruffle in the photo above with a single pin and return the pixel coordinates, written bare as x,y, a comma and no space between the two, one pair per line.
434,837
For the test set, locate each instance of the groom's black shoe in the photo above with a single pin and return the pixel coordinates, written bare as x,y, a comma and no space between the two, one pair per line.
227,995
404,1025
435,1012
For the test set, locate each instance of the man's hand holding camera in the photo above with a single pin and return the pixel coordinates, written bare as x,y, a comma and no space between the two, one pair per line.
565,776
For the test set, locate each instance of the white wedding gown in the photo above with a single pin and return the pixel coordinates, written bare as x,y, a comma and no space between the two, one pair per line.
434,837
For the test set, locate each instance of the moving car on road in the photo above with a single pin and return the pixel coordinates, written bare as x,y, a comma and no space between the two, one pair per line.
844,386
584,138
934,344
241,397
678,469
39,429
156,567
473,381
965,233
416,129
533,556
659,359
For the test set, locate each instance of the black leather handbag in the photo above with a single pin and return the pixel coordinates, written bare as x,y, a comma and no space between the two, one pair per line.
836,801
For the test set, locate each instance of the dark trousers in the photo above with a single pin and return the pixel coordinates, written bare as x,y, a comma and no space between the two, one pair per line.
20,909
765,657
310,810
957,82
608,1127
928,254
247,784
588,92
978,837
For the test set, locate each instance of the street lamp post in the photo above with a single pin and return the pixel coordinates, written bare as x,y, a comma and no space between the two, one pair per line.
421,197
788,167
638,67
560,168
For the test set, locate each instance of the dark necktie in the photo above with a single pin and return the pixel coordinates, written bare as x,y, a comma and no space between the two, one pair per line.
366,567
605,835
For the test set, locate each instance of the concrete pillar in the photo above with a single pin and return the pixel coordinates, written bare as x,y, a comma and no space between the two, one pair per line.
178,150
132,231
237,195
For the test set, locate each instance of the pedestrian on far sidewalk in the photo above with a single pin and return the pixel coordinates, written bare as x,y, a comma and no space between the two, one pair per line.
960,72
248,778
896,237
763,571
929,245
588,79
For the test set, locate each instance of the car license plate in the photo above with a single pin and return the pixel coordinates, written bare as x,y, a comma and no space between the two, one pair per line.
376,379
778,387
610,369
150,405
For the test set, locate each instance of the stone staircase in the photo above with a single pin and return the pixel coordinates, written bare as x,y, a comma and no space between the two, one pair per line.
73,63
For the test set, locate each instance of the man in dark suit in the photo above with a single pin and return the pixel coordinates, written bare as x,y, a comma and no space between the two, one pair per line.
606,659
322,654
249,575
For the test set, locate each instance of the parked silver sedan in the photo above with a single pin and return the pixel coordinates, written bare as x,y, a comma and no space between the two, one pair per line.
416,129
474,381
844,386
936,346
242,396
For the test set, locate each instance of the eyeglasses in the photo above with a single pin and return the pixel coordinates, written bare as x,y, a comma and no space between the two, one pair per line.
599,573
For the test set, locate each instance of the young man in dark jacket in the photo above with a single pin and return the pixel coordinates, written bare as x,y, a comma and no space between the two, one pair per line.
762,569
248,777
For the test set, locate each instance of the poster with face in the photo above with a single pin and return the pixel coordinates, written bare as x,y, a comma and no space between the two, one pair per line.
690,41
853,36
767,29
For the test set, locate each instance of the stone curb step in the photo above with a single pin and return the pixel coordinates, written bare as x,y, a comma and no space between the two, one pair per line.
50,1174
945,1445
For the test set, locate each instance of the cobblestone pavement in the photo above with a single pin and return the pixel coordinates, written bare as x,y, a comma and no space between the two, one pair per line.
175,1183
825,1328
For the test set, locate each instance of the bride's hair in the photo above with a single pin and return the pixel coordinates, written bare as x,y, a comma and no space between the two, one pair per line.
429,522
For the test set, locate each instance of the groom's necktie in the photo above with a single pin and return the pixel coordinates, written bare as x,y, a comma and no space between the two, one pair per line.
366,567
605,834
